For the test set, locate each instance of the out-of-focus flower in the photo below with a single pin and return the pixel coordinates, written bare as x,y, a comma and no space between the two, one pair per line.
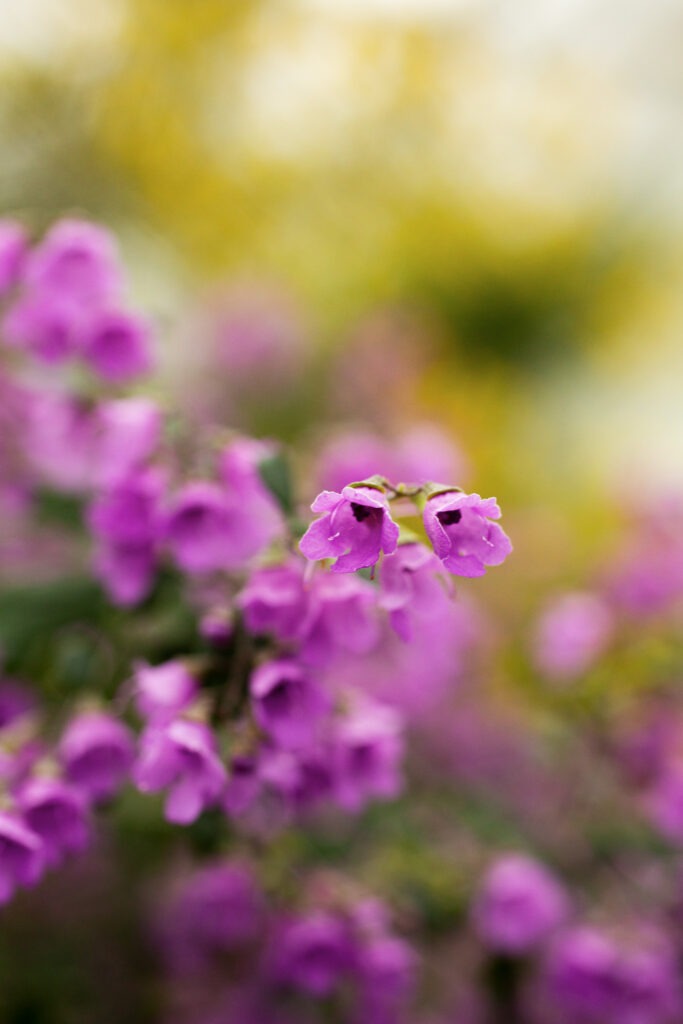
213,526
75,257
518,905
116,346
180,756
593,980
341,617
288,704
218,909
386,974
199,529
77,446
127,432
314,953
96,751
126,521
411,588
161,691
355,528
571,634
460,529
664,801
275,600
57,812
420,454
48,326
21,855
367,755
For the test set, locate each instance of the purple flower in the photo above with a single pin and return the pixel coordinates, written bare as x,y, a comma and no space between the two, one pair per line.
411,587
355,528
161,691
664,802
125,570
422,454
342,617
76,446
287,704
128,511
582,976
75,257
301,779
16,700
386,969
96,751
314,953
274,601
116,346
219,909
200,529
126,522
367,756
60,440
57,813
49,326
243,786
21,855
181,756
13,249
591,979
462,534
127,432
258,520
571,634
518,905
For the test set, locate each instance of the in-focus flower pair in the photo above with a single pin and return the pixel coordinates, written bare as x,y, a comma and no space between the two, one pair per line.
356,527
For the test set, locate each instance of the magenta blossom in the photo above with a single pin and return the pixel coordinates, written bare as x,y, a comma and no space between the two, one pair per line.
342,617
519,905
161,691
571,634
355,528
57,812
48,326
367,756
462,534
275,600
127,432
315,953
217,910
182,757
21,855
126,522
591,978
288,704
116,346
213,526
96,751
75,257
411,588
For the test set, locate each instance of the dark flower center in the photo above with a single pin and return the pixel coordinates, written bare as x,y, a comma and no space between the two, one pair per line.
450,517
279,700
362,512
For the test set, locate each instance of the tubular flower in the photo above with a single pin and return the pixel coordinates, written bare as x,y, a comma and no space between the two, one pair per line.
462,534
355,528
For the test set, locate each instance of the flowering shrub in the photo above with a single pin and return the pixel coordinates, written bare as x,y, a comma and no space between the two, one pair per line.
302,714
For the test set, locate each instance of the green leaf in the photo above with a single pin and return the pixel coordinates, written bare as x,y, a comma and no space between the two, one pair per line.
276,475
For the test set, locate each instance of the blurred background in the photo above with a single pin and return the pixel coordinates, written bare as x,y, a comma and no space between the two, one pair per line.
369,214
502,179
